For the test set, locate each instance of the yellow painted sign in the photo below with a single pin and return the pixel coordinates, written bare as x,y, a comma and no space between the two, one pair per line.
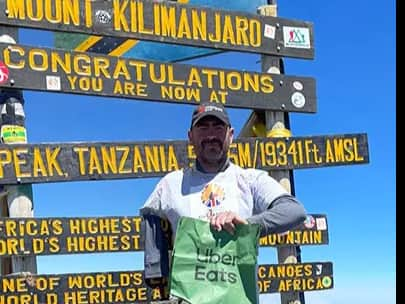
166,22
48,236
313,231
39,163
130,287
57,70
36,236
295,277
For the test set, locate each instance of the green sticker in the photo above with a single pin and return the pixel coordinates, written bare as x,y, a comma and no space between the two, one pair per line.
327,281
13,134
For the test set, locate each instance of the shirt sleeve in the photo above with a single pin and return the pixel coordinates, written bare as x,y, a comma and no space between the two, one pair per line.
275,210
284,213
265,190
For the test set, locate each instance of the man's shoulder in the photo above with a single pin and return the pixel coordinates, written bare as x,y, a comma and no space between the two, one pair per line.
174,175
248,172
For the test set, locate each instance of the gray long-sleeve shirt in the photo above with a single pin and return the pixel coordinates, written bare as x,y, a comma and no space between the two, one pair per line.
250,193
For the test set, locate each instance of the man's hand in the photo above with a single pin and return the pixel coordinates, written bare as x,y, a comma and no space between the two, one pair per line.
226,220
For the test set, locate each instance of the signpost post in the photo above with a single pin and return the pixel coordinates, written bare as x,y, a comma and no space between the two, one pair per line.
16,200
276,121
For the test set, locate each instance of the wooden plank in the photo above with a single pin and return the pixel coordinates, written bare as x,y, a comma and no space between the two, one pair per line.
166,22
314,231
63,162
62,71
148,49
295,277
77,235
50,236
130,287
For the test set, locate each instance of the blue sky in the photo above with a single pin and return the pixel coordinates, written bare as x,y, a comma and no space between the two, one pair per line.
355,70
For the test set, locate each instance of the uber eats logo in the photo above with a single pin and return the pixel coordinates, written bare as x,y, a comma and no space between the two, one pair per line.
215,267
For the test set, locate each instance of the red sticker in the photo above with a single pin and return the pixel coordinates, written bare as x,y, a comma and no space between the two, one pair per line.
309,222
3,73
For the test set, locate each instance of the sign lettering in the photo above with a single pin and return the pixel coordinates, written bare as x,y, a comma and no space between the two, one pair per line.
63,71
130,286
314,231
42,163
165,22
36,236
48,236
295,277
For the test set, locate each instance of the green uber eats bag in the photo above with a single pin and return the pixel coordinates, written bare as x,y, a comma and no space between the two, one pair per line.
211,267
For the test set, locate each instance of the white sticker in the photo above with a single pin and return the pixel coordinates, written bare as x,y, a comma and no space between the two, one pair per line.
318,269
298,99
18,109
269,31
296,37
321,223
103,17
53,83
7,39
3,109
273,70
298,85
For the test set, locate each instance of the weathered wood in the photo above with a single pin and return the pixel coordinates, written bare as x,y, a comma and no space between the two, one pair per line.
77,235
18,198
62,162
166,22
63,71
130,286
276,120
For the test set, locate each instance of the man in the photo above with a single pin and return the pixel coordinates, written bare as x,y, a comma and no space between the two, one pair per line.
216,190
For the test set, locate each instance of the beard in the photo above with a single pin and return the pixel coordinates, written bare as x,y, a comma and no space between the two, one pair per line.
212,151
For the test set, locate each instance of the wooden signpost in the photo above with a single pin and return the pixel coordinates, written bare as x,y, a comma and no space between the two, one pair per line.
165,22
64,71
62,162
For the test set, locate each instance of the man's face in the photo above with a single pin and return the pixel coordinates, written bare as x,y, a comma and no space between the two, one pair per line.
211,139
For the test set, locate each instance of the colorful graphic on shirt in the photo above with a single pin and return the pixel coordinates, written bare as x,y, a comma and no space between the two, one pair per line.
212,196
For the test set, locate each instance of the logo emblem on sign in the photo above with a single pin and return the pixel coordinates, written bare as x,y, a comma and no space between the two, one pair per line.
3,73
296,37
212,195
309,222
103,17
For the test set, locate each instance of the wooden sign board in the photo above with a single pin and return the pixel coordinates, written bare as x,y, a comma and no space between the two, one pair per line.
130,286
166,22
62,162
149,50
314,231
50,236
62,71
295,277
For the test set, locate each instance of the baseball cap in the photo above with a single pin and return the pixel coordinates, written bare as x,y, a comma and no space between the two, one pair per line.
210,109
